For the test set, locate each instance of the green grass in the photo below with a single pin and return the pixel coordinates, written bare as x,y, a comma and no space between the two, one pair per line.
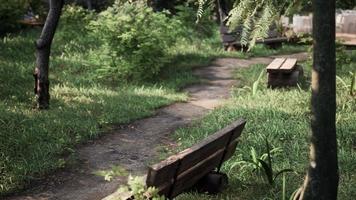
282,116
34,143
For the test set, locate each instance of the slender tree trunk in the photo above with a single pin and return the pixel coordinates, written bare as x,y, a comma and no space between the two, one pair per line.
89,4
43,50
323,177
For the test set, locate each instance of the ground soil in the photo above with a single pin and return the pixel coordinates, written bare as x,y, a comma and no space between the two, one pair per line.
136,145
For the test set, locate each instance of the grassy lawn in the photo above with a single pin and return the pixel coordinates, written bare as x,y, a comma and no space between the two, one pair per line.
82,106
34,143
283,117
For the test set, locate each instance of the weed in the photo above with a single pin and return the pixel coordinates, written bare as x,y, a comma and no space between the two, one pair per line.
138,190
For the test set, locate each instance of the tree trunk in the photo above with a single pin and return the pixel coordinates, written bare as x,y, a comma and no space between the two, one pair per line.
43,50
89,4
322,178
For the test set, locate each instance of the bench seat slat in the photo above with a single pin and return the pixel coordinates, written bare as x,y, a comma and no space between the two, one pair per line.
288,65
275,64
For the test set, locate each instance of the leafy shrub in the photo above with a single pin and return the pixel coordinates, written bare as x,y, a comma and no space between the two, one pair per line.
10,12
205,27
136,40
139,191
345,4
74,19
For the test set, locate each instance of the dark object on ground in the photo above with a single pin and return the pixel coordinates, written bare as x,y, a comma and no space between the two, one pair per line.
283,72
212,183
194,167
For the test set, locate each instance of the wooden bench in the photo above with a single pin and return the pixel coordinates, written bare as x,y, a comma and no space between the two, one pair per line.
194,167
273,43
283,72
32,23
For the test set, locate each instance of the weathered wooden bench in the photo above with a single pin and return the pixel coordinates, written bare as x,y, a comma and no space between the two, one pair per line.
283,72
231,41
32,23
198,166
273,43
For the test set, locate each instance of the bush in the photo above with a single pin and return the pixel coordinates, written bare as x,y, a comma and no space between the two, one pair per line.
74,20
345,4
205,27
10,12
136,40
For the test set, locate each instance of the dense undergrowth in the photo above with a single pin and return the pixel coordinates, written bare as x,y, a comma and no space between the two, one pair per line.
86,99
283,117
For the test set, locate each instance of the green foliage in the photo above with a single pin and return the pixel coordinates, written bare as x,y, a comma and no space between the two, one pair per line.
115,171
342,56
345,4
353,83
74,19
136,40
10,12
139,191
271,176
186,14
39,8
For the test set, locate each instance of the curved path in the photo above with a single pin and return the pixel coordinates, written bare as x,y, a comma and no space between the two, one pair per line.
134,145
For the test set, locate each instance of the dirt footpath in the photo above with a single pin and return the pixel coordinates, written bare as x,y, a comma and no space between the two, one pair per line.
135,145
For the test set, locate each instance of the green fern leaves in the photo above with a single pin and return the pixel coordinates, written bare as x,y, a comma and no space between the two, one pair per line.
254,17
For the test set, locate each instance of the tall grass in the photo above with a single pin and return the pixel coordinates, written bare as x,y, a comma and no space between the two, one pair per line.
283,117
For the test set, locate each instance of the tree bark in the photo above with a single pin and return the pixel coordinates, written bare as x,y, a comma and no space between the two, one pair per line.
43,51
323,176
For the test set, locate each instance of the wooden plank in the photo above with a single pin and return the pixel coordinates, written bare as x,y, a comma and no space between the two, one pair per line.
203,150
163,172
272,40
230,150
288,65
214,142
191,176
275,64
240,125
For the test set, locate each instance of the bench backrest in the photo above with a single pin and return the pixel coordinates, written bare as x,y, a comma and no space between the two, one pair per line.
183,170
282,65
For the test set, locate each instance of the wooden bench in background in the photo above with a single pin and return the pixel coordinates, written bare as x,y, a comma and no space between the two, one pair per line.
198,166
272,43
231,40
283,72
32,23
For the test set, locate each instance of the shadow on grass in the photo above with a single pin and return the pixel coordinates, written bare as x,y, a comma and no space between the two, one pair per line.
35,141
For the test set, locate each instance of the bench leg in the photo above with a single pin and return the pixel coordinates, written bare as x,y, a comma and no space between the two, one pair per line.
212,183
279,79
